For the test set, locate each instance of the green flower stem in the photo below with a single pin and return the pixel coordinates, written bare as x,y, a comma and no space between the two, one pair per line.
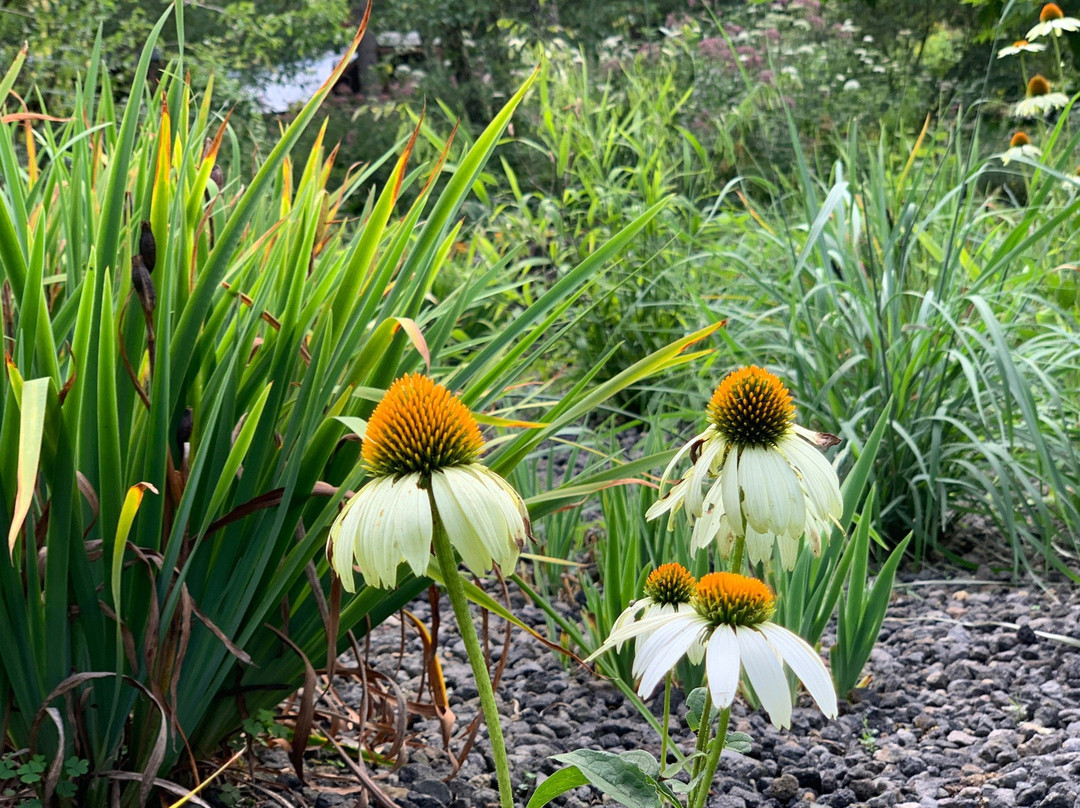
1060,64
701,793
456,592
737,554
704,732
667,722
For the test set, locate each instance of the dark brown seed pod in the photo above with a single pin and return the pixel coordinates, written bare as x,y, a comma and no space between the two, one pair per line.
143,285
147,246
217,175
184,428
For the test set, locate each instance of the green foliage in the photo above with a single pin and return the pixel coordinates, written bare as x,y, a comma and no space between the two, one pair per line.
184,437
263,724
631,779
695,706
861,613
634,778
898,292
23,774
809,594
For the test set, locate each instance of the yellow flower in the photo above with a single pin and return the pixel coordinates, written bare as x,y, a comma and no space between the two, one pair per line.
729,625
770,480
1039,99
1052,20
421,448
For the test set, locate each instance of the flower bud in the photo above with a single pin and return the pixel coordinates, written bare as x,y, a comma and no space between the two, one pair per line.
147,246
143,285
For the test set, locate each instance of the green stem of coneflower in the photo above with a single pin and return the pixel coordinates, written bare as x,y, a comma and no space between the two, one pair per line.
666,724
737,553
1060,64
456,592
704,733
713,760
1023,69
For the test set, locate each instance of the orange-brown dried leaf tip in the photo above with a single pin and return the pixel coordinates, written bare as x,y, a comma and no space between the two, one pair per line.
751,407
419,427
734,600
670,584
1039,85
1051,11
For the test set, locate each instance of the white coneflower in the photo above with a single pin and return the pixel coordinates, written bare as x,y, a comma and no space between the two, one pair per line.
668,589
1021,46
1072,184
420,449
1039,100
1052,20
730,621
771,482
1019,146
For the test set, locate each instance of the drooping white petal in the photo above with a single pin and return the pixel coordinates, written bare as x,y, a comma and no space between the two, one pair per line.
662,649
725,537
696,652
671,501
508,514
646,625
1054,27
684,450
729,482
762,665
722,665
712,515
789,551
815,529
377,555
517,514
759,546
411,525
637,610
467,517
711,451
341,545
806,664
818,476
379,533
772,496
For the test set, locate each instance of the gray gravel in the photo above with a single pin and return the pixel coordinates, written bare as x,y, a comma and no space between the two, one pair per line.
960,711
